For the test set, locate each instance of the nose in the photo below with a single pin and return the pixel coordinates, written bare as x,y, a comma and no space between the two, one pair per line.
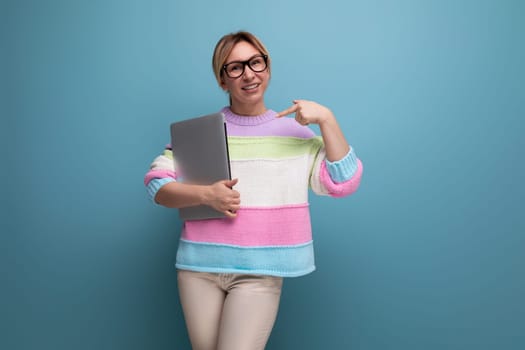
248,73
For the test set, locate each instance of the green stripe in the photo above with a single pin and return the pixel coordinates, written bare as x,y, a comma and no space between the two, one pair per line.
168,153
272,147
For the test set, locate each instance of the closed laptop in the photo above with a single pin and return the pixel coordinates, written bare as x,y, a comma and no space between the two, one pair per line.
200,152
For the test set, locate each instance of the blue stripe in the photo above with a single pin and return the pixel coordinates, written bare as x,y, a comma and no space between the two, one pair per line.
155,185
289,261
343,169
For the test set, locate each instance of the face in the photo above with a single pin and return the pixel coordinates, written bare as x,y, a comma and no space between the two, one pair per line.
249,88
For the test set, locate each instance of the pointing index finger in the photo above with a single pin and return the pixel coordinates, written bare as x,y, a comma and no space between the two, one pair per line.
288,111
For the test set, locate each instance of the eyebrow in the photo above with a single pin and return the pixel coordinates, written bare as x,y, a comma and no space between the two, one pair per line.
242,61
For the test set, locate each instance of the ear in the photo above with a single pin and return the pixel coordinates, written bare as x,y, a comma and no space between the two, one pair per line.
223,85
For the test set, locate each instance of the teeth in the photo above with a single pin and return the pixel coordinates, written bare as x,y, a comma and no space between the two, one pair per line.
250,87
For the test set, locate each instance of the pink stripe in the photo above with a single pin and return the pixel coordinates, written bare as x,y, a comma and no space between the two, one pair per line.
158,174
280,226
344,188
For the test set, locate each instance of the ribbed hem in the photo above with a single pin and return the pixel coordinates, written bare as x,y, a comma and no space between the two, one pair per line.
342,170
248,120
285,261
243,271
155,185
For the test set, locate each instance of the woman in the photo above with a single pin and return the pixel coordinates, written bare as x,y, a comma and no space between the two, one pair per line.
230,271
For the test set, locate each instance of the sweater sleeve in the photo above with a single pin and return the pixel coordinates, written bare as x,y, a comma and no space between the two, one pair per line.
343,169
154,186
337,179
161,171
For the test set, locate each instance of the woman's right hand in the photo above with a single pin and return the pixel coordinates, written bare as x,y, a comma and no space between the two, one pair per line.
222,197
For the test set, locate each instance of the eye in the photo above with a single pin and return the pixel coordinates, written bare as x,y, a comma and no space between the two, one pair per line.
256,61
236,67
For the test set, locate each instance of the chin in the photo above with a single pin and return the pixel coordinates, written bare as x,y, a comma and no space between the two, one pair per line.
254,99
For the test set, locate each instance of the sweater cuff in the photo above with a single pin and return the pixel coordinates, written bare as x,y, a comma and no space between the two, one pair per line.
342,170
154,186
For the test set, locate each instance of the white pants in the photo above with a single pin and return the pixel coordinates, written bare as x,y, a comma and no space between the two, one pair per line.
228,311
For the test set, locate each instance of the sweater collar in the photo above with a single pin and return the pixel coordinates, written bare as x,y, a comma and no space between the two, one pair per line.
248,120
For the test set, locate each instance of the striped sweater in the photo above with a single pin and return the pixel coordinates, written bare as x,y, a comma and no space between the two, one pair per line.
276,161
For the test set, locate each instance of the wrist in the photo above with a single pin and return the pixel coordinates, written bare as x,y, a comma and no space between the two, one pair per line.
327,118
203,194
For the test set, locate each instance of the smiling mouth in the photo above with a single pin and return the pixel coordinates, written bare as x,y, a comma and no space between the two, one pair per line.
251,87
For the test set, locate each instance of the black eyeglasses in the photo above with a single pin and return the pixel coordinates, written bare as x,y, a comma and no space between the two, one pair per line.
236,69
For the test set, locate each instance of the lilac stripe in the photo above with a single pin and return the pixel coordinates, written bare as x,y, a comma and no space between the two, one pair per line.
267,124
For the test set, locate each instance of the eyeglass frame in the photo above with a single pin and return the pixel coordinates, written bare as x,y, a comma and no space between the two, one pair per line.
246,63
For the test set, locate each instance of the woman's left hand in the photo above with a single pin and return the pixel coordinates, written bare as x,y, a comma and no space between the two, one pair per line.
308,112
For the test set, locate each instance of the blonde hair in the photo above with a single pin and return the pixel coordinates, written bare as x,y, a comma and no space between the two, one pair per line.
225,46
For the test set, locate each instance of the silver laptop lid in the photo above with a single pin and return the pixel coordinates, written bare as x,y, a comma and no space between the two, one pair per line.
200,152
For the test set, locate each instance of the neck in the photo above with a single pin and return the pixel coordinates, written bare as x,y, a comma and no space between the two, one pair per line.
248,109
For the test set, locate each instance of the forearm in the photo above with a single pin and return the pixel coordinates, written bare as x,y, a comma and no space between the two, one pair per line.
180,195
334,140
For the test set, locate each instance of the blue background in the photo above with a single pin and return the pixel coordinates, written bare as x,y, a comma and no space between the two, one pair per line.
429,254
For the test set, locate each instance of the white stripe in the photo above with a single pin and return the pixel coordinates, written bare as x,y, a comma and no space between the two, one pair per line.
162,163
270,182
315,182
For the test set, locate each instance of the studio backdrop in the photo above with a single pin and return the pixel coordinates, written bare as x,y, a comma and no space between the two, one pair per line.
428,254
